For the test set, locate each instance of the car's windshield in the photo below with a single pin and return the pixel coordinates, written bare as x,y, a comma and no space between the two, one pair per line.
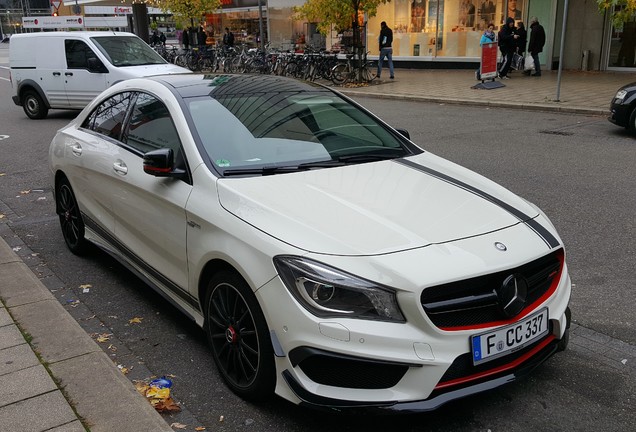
127,51
287,127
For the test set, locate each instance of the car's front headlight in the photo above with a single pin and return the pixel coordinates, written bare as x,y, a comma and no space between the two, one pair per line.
328,292
620,95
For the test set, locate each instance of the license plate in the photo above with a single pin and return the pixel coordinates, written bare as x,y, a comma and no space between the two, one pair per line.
505,340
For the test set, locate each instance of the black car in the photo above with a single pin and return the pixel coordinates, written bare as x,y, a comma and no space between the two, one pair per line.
622,107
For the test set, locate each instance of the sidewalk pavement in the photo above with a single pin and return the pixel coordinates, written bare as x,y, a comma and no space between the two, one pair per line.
581,92
54,376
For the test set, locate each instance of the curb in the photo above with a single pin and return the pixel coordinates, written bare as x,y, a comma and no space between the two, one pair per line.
101,395
480,103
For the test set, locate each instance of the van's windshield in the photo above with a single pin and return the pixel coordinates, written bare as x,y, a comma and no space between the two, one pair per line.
127,51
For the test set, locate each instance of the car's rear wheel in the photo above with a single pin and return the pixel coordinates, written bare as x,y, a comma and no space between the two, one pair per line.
239,336
33,105
71,220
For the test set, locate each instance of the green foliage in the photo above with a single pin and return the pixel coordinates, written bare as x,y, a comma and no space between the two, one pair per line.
188,10
337,13
626,13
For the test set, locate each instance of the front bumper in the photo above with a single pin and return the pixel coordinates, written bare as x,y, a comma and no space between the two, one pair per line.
436,364
619,114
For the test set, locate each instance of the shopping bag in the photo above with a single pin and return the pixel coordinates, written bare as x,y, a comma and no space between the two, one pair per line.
517,62
529,63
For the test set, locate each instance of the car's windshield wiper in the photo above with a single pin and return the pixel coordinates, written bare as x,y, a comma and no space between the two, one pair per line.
282,169
368,157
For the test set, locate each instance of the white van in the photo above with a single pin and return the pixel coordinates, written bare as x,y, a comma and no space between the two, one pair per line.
68,69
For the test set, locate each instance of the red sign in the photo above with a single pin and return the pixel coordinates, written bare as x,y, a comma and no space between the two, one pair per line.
488,67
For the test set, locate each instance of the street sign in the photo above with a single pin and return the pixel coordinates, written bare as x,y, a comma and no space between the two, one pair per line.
56,4
488,67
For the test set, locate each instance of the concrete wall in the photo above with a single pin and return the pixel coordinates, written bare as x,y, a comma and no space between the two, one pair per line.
584,31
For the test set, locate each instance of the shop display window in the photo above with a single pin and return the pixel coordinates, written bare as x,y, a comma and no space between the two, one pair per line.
440,28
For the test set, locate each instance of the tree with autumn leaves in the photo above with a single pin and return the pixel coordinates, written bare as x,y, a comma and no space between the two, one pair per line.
341,15
626,10
188,10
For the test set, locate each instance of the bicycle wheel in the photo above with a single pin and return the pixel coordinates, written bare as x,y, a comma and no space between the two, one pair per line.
340,73
369,72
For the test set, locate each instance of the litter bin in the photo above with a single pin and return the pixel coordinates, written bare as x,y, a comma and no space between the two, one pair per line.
416,49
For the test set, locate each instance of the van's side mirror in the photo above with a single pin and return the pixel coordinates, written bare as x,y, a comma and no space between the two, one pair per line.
96,66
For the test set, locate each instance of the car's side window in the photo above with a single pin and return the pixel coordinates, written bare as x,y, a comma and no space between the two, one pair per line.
108,118
151,127
77,54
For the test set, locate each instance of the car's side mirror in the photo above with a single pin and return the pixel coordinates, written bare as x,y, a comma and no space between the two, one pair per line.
404,133
160,163
95,65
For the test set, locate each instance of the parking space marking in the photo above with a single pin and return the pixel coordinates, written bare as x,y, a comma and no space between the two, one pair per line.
6,79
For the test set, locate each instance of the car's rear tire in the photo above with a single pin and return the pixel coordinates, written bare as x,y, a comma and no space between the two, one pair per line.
33,105
631,126
239,337
70,216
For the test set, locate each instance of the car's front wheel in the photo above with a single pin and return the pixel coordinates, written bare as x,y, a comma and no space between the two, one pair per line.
33,105
71,220
239,336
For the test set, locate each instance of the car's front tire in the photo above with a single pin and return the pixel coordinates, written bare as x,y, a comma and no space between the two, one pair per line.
33,105
239,336
71,220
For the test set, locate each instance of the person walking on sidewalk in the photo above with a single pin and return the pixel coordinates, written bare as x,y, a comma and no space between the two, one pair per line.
508,45
386,39
535,46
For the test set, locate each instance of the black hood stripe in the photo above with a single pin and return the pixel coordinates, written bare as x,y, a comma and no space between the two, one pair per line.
535,226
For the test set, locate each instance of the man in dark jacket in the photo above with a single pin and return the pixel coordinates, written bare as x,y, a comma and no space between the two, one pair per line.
508,46
385,40
228,38
535,46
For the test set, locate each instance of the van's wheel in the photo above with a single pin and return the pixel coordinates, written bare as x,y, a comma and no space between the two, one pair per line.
239,336
33,105
71,220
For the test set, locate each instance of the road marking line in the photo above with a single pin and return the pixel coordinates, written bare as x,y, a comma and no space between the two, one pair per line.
6,79
5,67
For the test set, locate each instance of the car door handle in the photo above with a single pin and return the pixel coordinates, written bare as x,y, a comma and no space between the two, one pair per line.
56,74
68,73
120,168
76,149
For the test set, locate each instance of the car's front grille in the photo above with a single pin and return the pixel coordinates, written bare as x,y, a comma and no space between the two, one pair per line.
473,303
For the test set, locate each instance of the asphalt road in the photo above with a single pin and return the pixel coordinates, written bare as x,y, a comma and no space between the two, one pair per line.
580,170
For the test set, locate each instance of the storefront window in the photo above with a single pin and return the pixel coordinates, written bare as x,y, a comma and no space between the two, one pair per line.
623,44
440,28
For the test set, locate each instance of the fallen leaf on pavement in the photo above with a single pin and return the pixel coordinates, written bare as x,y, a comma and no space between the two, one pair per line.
167,405
1,216
221,418
3,174
178,426
135,320
24,192
104,337
86,286
199,428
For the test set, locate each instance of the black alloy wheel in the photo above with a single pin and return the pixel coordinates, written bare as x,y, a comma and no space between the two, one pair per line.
239,337
33,105
70,218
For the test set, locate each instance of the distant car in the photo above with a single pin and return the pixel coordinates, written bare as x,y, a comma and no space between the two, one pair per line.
328,258
623,107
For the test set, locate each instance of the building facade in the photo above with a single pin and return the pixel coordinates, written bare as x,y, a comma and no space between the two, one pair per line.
427,33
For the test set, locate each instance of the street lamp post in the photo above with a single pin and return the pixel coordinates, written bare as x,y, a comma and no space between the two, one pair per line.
260,25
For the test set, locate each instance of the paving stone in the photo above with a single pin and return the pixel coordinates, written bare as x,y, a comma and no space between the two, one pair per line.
18,285
56,335
5,318
92,383
38,414
15,358
7,255
10,336
24,384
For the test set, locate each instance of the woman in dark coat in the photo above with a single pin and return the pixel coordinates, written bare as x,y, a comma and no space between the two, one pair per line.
523,38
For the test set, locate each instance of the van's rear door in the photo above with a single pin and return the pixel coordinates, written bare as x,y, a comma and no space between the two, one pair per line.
81,85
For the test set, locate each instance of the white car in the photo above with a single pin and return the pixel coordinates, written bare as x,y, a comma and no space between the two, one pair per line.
329,259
